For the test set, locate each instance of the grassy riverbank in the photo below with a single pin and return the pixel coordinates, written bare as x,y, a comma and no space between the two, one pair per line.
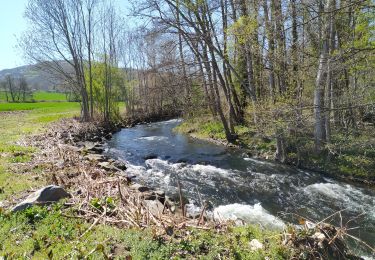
351,156
41,233
48,232
58,232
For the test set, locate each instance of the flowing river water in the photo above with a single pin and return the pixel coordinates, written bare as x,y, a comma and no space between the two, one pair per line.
239,187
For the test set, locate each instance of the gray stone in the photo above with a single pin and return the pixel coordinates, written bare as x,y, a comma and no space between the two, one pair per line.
43,196
154,206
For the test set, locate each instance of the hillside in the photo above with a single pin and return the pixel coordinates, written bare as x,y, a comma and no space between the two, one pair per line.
35,77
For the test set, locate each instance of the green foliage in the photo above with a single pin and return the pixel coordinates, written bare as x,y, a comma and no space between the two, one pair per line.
105,92
243,28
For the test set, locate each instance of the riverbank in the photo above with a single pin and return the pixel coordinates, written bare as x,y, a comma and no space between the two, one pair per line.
352,159
75,228
107,218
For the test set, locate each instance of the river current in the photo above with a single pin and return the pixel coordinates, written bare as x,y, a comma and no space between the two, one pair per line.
239,187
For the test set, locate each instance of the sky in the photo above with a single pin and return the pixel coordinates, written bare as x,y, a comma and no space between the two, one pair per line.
12,24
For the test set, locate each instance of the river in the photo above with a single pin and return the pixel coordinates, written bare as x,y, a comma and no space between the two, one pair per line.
239,187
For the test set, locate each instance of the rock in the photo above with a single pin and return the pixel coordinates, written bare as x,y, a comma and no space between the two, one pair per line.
154,206
97,149
149,196
106,166
95,157
176,199
89,145
150,156
120,165
43,196
170,204
160,193
255,245
139,187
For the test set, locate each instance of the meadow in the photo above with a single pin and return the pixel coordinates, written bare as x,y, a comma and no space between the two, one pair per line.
40,96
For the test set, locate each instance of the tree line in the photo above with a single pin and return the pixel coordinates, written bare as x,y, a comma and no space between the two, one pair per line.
303,69
15,89
286,65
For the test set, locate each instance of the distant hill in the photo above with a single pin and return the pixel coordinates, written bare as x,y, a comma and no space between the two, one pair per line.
36,78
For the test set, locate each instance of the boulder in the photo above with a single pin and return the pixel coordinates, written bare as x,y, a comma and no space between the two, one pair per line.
43,196
154,206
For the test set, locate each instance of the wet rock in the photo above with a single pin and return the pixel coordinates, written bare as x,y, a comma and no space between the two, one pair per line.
120,165
108,136
255,245
139,187
43,196
150,156
154,206
97,149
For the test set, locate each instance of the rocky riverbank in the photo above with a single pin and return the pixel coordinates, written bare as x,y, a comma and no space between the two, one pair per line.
102,192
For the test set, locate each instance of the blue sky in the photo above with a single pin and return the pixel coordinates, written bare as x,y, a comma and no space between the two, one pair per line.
12,24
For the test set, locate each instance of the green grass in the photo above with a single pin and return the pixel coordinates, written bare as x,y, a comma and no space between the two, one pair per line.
25,119
40,233
54,107
49,96
40,96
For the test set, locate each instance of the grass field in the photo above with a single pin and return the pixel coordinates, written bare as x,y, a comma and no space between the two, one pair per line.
41,96
16,124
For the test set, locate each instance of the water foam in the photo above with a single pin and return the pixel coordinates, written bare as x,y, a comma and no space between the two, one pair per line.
209,169
153,138
255,214
347,195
